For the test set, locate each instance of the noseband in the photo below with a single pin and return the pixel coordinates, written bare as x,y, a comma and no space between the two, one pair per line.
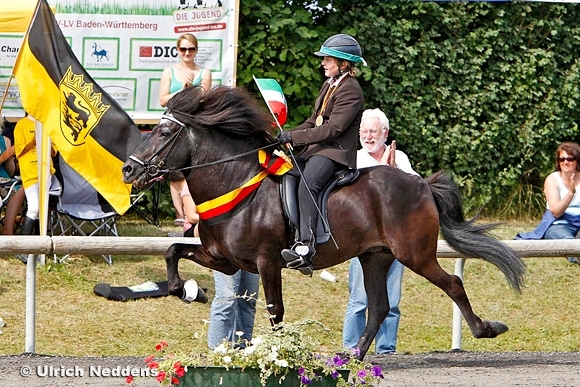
154,170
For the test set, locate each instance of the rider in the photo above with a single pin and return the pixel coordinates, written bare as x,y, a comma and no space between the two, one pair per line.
331,134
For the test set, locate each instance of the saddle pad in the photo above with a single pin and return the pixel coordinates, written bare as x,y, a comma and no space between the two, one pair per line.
124,293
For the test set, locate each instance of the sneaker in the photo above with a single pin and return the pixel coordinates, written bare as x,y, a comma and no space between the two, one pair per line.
573,260
178,222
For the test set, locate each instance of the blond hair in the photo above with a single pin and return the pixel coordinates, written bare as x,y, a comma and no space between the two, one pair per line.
189,37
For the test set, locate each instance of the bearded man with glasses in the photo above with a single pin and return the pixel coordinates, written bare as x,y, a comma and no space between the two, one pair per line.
373,133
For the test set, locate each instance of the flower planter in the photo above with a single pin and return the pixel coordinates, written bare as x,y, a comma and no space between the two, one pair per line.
235,377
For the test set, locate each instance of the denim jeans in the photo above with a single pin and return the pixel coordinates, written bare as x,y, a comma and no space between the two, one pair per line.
355,317
562,231
230,313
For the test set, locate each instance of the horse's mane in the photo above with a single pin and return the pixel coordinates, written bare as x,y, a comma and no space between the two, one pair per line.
229,110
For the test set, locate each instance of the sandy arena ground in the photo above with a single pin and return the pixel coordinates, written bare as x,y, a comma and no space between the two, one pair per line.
465,369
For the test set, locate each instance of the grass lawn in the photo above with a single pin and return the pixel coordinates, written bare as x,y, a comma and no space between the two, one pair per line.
71,320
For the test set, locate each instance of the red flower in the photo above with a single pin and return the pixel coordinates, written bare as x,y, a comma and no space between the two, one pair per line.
161,345
180,372
129,379
153,365
174,381
149,358
160,376
176,365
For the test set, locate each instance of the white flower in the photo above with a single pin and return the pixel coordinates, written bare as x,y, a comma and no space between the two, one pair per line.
272,356
281,363
222,348
256,340
239,334
249,350
227,359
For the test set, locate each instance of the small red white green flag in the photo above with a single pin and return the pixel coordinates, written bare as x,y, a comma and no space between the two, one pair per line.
274,96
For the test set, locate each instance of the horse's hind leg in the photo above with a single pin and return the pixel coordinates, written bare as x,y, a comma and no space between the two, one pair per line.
375,268
453,287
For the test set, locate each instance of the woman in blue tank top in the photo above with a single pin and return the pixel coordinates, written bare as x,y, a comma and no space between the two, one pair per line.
174,79
185,73
562,217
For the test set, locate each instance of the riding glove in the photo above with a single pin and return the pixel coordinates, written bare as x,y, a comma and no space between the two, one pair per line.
284,138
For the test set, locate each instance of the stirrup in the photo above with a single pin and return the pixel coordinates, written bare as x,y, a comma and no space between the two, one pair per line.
299,257
302,264
294,263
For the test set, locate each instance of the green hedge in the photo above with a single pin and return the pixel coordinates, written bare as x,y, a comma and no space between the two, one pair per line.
485,91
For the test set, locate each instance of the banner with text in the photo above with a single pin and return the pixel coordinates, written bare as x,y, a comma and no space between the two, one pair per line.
125,45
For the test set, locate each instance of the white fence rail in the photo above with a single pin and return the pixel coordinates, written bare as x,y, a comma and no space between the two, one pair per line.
158,245
62,245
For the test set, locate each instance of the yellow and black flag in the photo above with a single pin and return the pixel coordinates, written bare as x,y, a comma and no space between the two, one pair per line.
91,131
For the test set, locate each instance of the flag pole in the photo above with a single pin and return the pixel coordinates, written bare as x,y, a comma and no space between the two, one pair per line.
30,321
267,104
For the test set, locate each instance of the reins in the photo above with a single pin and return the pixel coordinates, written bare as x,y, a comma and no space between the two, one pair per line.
153,171
227,158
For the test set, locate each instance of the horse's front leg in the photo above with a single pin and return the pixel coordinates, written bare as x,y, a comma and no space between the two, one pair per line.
189,291
271,276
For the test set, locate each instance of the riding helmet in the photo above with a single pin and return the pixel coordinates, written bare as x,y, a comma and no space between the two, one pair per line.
342,46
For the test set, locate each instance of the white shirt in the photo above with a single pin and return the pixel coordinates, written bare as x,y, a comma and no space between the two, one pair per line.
365,160
574,206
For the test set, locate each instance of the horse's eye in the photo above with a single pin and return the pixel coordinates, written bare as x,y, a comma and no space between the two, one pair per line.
165,132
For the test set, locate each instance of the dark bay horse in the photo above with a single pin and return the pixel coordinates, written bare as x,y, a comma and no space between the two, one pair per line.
385,214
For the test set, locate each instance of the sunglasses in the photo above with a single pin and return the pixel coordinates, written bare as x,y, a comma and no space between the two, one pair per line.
569,159
190,49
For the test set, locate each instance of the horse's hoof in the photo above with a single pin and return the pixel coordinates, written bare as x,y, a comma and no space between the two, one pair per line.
499,327
193,293
201,296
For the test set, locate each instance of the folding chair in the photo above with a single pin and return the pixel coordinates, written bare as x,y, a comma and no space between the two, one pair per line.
145,202
80,209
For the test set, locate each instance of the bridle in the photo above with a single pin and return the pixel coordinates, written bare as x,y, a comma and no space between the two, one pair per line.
154,170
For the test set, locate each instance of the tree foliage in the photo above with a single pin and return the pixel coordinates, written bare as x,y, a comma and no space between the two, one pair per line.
485,91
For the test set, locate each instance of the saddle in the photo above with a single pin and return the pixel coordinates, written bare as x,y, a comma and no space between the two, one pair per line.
289,195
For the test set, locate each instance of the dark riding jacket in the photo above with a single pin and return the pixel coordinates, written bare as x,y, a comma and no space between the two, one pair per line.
337,137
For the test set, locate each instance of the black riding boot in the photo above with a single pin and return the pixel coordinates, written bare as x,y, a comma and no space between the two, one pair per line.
27,228
317,172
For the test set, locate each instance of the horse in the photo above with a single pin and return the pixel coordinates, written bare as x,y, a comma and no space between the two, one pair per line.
213,138
100,54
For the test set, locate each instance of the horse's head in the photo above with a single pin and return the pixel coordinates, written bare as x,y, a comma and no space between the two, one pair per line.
200,128
158,153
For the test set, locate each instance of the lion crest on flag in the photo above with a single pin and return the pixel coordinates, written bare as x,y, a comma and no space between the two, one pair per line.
81,107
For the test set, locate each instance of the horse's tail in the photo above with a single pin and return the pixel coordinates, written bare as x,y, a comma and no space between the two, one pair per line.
469,238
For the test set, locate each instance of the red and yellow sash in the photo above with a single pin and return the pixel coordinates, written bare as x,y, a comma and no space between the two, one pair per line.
226,203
